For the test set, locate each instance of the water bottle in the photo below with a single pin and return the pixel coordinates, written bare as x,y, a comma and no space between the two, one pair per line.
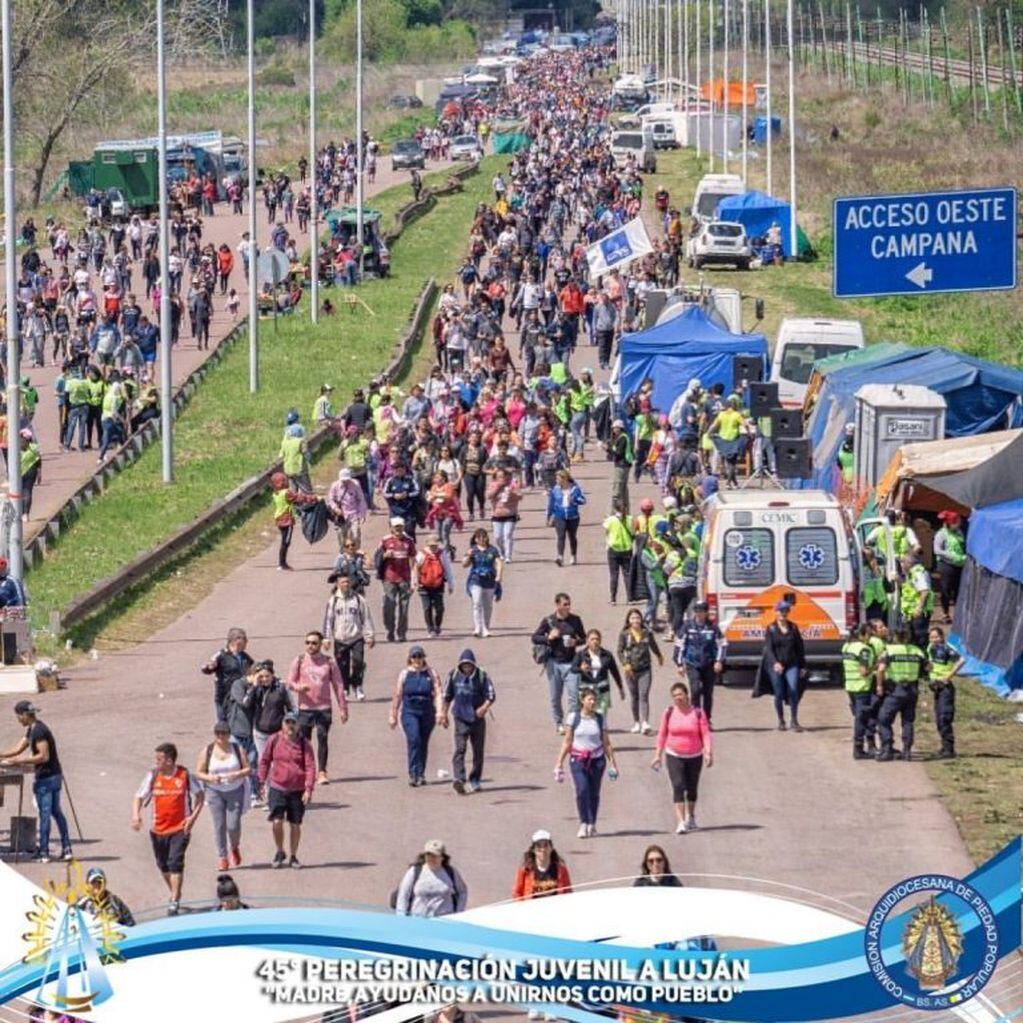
612,773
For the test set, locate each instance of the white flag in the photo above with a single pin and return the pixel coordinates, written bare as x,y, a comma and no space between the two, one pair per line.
618,248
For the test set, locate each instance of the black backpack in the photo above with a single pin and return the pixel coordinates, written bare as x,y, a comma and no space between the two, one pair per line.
417,869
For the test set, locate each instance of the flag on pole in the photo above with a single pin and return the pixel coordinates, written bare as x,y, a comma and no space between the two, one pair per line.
618,248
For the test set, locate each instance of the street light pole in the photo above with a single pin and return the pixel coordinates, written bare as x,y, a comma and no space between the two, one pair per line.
699,82
253,246
166,332
314,228
767,88
15,553
792,134
359,176
726,104
713,84
745,91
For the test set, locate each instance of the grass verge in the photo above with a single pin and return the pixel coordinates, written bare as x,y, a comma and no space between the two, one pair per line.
227,434
981,787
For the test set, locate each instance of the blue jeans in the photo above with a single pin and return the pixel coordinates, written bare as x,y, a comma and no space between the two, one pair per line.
112,435
587,776
577,424
47,793
78,415
562,679
786,690
417,727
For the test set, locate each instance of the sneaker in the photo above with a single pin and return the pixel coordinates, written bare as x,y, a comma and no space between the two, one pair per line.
557,561
796,726
294,864
571,560
278,860
560,729
236,857
645,728
485,634
681,828
41,857
390,637
67,855
221,863
173,907
477,633
413,781
782,726
360,695
475,786
593,831
691,822
636,727
583,832
458,786
322,779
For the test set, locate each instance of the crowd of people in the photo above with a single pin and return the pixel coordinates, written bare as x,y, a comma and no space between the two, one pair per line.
448,464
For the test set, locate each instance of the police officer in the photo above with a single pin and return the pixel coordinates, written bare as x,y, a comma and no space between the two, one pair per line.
700,656
943,663
878,641
904,664
858,662
916,599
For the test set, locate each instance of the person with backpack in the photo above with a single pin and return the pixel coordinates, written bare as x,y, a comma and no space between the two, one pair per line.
177,799
684,736
431,886
555,642
311,677
418,702
468,696
433,573
394,559
348,625
224,770
288,768
587,745
486,566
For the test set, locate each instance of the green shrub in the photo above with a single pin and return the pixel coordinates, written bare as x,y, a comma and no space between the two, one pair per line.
276,74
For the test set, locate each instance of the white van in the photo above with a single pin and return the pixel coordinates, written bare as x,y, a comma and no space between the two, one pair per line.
711,190
801,342
760,546
662,128
637,142
654,108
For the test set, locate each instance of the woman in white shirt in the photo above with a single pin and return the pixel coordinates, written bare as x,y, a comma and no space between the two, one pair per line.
431,886
224,769
587,744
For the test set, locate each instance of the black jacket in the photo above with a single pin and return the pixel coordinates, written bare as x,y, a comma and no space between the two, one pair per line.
570,626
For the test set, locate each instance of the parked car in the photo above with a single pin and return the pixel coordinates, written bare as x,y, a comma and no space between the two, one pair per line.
406,154
721,242
404,101
464,147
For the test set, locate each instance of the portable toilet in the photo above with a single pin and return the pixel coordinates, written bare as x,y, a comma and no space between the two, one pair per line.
888,416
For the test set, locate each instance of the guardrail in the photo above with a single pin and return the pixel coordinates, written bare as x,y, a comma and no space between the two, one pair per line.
129,452
254,487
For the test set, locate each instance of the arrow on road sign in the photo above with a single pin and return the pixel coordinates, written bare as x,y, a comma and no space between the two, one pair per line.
920,275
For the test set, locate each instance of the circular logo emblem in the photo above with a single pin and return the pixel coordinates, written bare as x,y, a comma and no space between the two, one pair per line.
932,942
733,538
811,556
747,558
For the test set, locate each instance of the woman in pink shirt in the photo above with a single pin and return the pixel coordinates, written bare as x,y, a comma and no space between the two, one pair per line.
311,677
684,736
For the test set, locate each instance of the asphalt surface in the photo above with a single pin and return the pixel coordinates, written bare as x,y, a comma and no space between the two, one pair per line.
63,472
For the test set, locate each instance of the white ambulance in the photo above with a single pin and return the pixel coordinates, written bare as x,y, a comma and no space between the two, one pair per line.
760,546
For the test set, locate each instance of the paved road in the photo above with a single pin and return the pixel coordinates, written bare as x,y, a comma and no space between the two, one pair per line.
781,806
64,472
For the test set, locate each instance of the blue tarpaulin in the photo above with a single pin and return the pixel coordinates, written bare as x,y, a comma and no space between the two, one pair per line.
996,538
981,396
688,346
757,212
760,129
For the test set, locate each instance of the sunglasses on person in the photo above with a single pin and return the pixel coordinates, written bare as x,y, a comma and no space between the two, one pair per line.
655,859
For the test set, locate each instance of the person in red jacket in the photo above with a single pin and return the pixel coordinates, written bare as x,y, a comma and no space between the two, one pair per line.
543,872
289,764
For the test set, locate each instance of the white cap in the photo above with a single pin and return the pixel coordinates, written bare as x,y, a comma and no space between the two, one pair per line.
434,846
397,520
541,836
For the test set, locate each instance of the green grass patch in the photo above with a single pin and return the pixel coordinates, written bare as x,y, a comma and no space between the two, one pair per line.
227,434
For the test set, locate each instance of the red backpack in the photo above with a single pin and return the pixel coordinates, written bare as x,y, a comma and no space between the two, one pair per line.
431,572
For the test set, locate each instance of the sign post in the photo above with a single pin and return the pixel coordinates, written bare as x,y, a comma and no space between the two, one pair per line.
925,243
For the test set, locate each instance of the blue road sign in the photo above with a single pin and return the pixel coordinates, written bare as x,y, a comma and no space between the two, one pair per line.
925,243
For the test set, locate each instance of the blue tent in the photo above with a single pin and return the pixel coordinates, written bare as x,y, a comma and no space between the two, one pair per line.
981,396
672,353
992,644
757,212
760,129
